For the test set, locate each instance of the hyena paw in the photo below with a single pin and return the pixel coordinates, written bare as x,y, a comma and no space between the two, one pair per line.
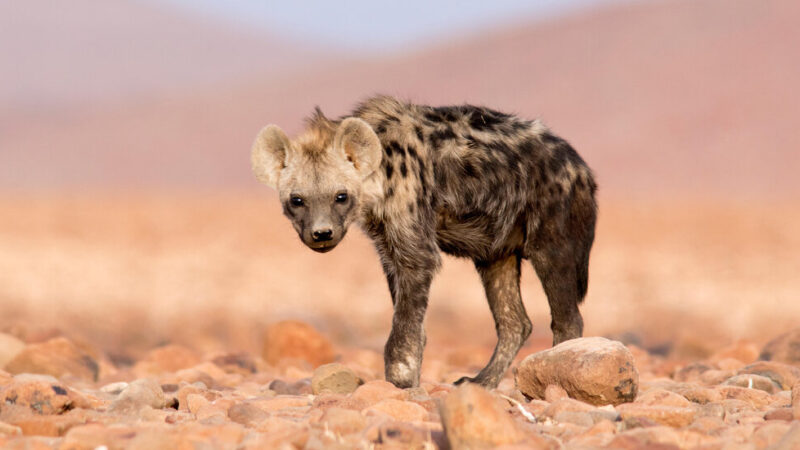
487,382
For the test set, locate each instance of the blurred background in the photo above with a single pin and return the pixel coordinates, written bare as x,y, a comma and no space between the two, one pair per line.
129,217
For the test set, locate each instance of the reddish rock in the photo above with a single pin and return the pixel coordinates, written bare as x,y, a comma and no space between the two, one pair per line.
554,392
784,375
691,372
334,378
239,363
779,414
770,434
293,339
299,387
595,370
662,397
784,348
758,399
673,416
697,394
796,401
95,435
246,414
343,421
744,352
566,404
8,429
167,359
42,394
751,381
374,391
790,440
58,357
401,410
474,418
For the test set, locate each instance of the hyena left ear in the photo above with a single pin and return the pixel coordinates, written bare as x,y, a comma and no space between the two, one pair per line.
360,144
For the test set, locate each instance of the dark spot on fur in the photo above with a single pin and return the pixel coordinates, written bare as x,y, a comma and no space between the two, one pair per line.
438,136
403,169
412,152
389,170
390,192
418,131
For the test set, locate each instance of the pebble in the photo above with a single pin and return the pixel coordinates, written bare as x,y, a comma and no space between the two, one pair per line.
334,378
294,339
474,418
58,357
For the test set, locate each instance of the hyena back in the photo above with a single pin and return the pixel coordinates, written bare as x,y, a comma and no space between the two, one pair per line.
466,180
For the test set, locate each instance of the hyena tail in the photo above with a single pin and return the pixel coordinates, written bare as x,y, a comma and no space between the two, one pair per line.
584,216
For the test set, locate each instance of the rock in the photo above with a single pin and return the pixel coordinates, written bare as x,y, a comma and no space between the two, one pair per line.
697,394
796,401
474,418
662,397
583,419
8,429
138,394
299,387
753,382
335,378
374,391
790,440
58,357
293,339
566,404
744,352
673,416
400,410
769,434
784,348
758,399
246,414
343,421
554,392
594,370
96,436
240,363
10,347
42,394
782,374
166,359
114,388
779,414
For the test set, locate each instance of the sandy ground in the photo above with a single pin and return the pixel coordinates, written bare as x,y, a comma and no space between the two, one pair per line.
128,272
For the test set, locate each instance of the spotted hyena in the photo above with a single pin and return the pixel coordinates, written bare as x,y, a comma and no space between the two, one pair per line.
466,180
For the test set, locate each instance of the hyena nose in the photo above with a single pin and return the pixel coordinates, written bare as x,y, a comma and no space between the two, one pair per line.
322,235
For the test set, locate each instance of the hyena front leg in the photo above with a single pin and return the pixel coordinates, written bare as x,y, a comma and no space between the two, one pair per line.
410,274
501,282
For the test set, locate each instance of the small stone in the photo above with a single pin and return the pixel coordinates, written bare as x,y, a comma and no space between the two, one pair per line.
566,404
343,421
796,401
335,378
299,387
374,391
294,339
194,402
403,411
673,416
758,399
691,373
769,434
42,394
474,418
554,392
784,348
751,381
240,363
167,359
662,397
708,425
790,439
784,375
779,414
246,414
10,347
583,419
114,388
58,357
697,394
594,370
139,394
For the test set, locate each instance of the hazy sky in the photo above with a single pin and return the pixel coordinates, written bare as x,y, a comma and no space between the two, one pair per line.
376,25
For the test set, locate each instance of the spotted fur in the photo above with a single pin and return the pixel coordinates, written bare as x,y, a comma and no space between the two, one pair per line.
469,181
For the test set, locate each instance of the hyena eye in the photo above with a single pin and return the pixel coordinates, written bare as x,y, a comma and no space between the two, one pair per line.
341,198
296,201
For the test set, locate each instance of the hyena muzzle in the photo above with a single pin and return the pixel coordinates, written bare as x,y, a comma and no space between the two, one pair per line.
466,180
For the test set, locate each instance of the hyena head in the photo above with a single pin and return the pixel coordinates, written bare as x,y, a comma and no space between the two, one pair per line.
319,175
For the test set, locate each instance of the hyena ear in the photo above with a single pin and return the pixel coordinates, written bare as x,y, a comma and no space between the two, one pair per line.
268,156
360,144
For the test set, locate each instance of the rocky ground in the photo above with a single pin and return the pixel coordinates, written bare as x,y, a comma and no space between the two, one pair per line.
188,322
305,391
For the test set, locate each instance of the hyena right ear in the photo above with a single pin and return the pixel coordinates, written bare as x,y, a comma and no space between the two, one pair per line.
268,156
360,144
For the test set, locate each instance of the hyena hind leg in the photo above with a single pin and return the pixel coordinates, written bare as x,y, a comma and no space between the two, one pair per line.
501,282
563,278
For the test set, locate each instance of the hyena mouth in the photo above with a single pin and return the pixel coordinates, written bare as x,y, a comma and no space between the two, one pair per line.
323,248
